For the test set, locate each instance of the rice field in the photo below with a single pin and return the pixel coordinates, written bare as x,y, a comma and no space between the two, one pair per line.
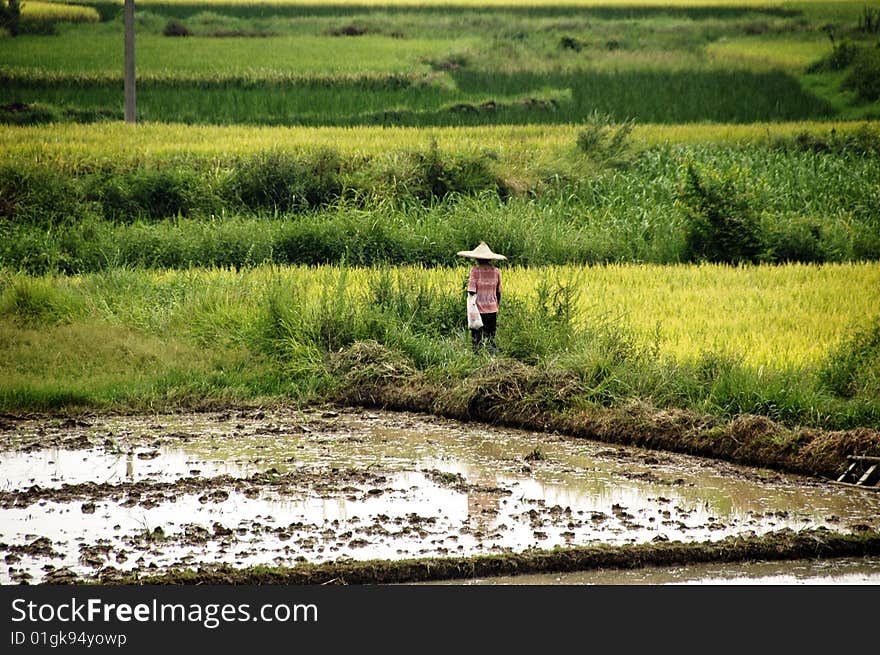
69,147
57,11
86,55
344,64
426,100
422,126
794,54
714,338
767,316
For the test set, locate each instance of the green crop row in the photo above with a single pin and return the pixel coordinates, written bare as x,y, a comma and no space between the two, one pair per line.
458,98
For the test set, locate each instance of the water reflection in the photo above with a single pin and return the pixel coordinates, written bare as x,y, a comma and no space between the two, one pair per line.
838,571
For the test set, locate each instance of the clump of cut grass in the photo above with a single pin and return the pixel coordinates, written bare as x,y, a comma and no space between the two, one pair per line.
370,373
370,362
505,389
176,28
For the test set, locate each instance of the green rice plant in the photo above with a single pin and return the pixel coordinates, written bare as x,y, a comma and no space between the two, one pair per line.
863,142
841,57
603,139
796,240
161,194
722,222
428,175
326,318
787,396
852,367
864,78
175,27
532,331
279,183
36,195
416,306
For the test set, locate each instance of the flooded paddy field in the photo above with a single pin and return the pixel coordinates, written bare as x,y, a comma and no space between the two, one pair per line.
834,571
145,494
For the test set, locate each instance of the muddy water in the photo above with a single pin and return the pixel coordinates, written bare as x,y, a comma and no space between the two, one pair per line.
151,492
846,571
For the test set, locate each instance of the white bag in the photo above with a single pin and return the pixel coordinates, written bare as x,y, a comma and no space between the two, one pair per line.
475,321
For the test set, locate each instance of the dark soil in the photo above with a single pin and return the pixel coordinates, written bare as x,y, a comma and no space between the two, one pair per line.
147,493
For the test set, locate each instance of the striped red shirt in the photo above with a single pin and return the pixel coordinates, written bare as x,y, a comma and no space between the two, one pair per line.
485,280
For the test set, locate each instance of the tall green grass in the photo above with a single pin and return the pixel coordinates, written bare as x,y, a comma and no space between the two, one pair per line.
133,339
806,199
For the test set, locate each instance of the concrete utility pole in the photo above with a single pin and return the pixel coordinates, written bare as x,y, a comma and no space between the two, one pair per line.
130,103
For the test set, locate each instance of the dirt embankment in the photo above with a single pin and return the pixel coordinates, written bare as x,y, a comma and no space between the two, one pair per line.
512,394
781,545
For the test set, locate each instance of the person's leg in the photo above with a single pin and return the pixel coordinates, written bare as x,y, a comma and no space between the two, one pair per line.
476,338
490,322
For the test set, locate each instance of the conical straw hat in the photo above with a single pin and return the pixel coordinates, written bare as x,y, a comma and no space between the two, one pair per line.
482,251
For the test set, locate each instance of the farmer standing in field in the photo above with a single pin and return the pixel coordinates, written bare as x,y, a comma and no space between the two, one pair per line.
484,286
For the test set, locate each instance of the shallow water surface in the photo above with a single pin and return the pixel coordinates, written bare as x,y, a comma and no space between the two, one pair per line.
283,487
843,571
